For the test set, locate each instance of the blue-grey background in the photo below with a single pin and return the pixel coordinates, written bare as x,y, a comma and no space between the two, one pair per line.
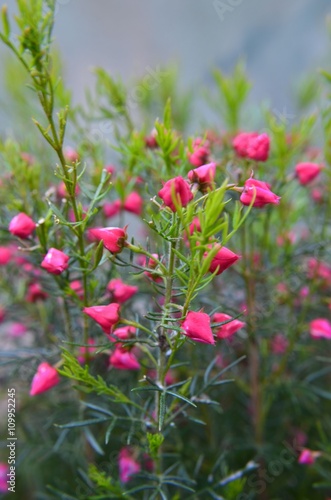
280,40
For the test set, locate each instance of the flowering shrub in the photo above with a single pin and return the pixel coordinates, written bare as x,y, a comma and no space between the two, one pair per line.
165,318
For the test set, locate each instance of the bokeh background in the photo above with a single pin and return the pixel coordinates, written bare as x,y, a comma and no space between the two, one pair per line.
280,41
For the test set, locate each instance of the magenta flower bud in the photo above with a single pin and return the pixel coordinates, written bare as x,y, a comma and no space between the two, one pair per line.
229,329
252,145
151,142
105,316
222,260
22,226
77,287
113,238
176,189
35,292
306,172
320,328
6,255
204,176
258,147
200,153
122,333
123,359
55,261
199,156
128,466
197,327
308,457
260,192
133,203
111,208
45,378
17,329
120,291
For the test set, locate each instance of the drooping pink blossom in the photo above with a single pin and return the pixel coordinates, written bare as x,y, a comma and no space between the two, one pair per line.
308,457
222,260
35,292
260,192
122,333
113,238
197,327
320,328
45,378
252,145
306,172
203,176
120,291
229,329
55,261
106,316
122,359
176,191
133,203
111,208
22,226
6,254
128,465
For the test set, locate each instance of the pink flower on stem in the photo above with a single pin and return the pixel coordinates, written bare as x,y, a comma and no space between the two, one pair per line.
111,208
306,172
120,291
35,292
222,260
113,238
45,378
260,192
308,457
176,192
133,203
122,333
22,226
320,328
196,326
122,359
55,261
6,255
252,145
77,287
106,316
200,153
17,329
203,176
127,464
229,329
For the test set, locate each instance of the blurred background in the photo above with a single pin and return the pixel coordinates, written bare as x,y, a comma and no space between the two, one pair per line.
279,41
